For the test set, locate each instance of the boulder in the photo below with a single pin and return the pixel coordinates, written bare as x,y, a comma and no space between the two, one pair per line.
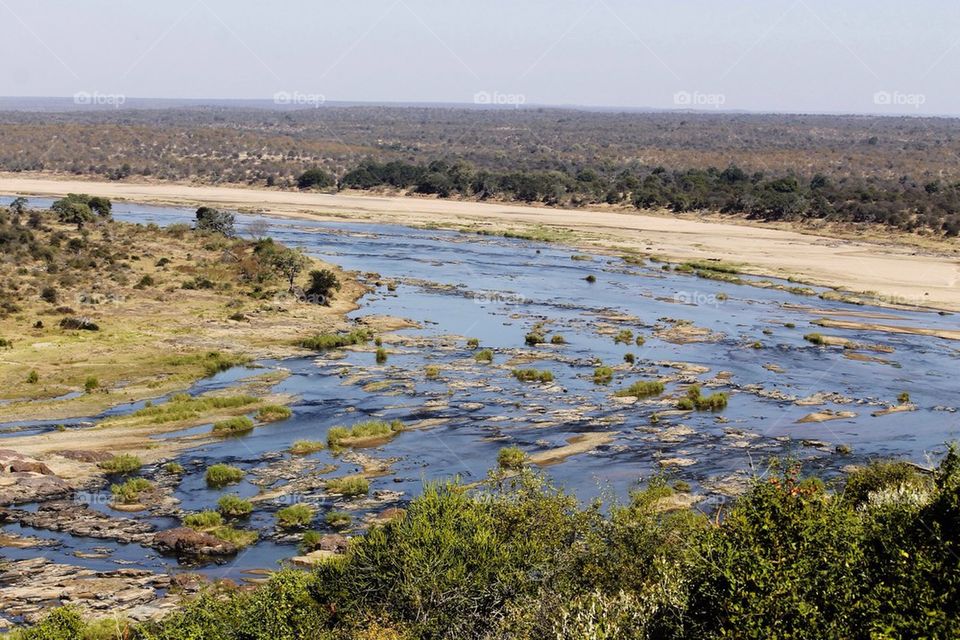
187,542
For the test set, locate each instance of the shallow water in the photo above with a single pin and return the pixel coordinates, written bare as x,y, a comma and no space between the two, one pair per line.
458,285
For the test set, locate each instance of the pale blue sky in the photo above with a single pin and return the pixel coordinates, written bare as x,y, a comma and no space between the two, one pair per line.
779,55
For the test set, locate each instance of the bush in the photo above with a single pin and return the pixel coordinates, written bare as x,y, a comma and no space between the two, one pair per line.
323,283
33,377
296,516
273,413
220,475
815,338
338,519
173,467
91,384
484,355
473,343
533,375
511,458
129,492
123,463
381,355
336,340
695,400
203,520
315,178
884,474
212,220
602,375
349,486
361,431
233,506
238,424
642,389
625,336
304,447
431,371
557,339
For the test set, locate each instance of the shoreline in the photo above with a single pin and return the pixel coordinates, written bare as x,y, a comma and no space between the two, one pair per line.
905,276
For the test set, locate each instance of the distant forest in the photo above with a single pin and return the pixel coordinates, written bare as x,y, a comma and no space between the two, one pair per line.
901,172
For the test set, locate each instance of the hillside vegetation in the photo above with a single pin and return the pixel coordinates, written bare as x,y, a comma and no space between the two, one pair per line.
520,559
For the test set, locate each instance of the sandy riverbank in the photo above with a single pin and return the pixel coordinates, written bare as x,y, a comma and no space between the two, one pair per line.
895,274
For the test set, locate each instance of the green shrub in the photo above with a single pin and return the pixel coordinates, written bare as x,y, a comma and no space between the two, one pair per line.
349,486
310,541
123,463
629,358
220,475
91,384
815,338
535,336
325,341
642,389
233,506
273,413
381,355
625,336
903,398
369,430
557,339
431,371
129,491
33,377
173,467
235,425
884,474
338,519
473,343
304,447
511,458
203,520
695,400
485,355
533,375
602,375
296,516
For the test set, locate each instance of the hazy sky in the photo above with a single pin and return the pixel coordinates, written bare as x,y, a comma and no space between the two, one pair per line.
862,56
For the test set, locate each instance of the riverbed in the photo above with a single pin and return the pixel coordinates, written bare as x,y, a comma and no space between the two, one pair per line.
746,340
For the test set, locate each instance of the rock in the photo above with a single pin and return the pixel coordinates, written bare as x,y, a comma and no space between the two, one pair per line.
81,455
313,558
333,542
80,520
187,542
25,487
28,466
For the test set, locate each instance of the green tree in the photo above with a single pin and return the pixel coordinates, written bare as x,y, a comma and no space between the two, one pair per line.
215,221
315,178
289,262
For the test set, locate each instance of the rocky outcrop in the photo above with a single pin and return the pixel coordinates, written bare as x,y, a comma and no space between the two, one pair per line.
32,587
80,520
184,541
24,480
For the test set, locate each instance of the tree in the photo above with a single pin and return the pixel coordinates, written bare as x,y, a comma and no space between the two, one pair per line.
322,283
72,210
315,178
17,208
100,205
215,221
289,262
258,229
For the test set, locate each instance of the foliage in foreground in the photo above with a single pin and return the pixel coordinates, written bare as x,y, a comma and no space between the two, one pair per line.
521,559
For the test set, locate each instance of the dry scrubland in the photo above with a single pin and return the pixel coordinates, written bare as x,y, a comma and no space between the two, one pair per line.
169,306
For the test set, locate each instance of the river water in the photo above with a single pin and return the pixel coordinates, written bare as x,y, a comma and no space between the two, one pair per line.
456,285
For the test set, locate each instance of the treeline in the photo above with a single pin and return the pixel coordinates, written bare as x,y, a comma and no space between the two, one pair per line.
520,559
933,206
